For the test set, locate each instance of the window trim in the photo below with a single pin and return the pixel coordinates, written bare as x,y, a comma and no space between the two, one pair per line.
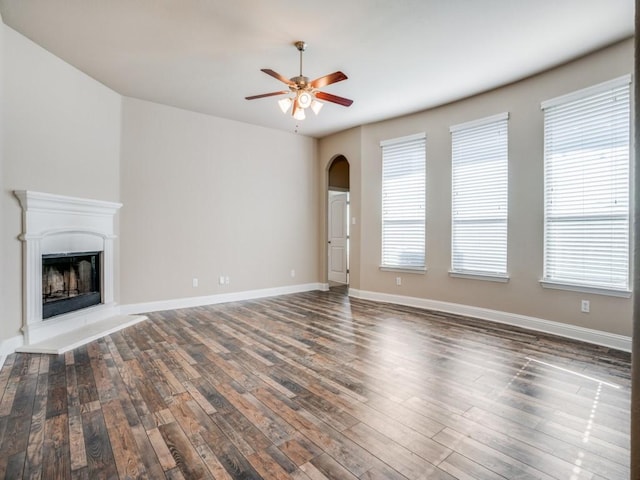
549,283
406,138
479,276
587,92
416,270
480,122
575,287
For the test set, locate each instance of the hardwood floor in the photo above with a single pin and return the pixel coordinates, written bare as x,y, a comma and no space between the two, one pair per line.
314,386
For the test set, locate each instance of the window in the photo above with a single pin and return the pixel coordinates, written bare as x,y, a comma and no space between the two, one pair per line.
403,202
586,155
479,167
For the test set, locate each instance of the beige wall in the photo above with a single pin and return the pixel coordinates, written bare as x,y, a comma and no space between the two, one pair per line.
205,197
3,282
61,135
523,293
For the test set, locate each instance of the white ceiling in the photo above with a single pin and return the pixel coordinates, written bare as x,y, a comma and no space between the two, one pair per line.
401,56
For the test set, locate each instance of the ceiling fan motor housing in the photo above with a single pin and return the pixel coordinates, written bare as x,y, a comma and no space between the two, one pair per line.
300,81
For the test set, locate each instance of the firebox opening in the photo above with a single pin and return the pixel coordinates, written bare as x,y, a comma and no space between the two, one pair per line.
70,282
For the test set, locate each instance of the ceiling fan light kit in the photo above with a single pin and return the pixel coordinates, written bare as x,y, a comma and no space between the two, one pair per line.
285,103
305,93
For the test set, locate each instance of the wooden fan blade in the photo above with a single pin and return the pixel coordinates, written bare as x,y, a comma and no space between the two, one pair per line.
266,95
345,102
294,107
277,76
328,79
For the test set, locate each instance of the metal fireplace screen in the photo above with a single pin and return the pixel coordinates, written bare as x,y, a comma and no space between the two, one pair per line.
70,282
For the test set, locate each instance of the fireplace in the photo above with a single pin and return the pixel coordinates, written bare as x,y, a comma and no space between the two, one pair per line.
68,263
70,281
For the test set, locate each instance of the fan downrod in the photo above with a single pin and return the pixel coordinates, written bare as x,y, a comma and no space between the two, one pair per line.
301,81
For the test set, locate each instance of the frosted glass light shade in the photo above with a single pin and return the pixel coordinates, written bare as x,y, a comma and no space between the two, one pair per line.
284,104
304,99
316,106
299,114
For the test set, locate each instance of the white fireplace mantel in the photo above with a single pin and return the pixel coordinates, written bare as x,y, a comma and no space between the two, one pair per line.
60,224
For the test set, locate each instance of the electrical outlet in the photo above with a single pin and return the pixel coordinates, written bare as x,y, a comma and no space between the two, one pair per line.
584,306
293,273
221,280
227,281
195,282
398,281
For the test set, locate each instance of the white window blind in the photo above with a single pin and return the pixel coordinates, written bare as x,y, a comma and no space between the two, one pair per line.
586,152
479,162
403,202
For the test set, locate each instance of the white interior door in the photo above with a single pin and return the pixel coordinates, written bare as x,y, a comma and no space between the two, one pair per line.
338,236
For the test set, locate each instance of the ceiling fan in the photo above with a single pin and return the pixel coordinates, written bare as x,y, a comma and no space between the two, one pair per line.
305,93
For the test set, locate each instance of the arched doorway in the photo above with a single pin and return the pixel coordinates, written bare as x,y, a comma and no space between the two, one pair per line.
338,223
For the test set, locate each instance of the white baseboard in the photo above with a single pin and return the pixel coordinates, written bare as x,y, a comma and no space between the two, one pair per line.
177,303
9,346
597,337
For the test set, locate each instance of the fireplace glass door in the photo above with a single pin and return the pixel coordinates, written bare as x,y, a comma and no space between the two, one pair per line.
70,282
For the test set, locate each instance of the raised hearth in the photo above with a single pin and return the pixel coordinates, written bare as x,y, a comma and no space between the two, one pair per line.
56,226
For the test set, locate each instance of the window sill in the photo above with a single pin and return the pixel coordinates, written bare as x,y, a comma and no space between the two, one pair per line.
611,292
416,270
480,276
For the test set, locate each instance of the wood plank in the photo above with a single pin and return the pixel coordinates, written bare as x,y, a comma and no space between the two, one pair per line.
267,467
16,435
299,449
183,452
81,474
329,468
211,461
145,397
492,459
225,451
100,461
382,473
465,469
6,404
78,457
162,451
6,371
35,446
399,458
199,398
15,465
147,451
55,451
125,451
87,391
103,382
